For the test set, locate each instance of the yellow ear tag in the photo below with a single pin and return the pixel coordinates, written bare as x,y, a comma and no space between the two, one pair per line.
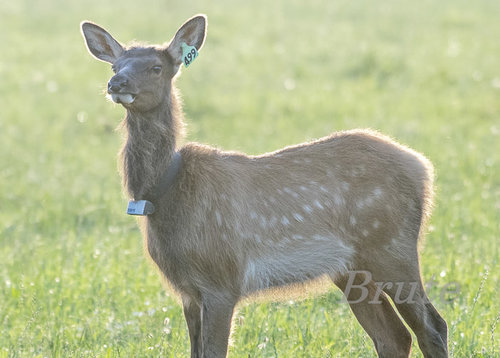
189,53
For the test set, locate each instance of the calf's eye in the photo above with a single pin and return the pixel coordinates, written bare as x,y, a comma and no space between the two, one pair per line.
156,69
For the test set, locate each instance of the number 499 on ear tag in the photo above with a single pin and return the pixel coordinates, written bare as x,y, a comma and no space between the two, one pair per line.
189,53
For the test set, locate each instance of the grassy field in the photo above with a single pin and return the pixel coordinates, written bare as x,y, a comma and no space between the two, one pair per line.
74,281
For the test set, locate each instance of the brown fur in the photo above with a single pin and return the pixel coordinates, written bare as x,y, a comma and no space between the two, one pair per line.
234,225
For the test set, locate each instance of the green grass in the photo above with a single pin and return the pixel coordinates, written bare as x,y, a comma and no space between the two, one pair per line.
73,277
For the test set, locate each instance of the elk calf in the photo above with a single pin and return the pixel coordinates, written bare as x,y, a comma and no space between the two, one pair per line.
221,226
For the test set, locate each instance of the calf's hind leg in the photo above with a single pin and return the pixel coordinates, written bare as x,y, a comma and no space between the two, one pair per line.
410,299
376,316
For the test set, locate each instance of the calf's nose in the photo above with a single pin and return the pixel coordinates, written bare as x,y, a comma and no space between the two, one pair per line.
116,84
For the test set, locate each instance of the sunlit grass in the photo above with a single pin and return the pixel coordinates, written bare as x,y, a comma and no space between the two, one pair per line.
73,277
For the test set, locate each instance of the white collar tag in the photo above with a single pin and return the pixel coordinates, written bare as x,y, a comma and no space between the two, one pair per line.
140,207
146,207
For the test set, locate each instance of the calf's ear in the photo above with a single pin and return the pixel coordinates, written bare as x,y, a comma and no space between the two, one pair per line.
191,33
100,43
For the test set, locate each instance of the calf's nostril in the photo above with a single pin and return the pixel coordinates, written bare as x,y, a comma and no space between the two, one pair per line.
117,84
112,87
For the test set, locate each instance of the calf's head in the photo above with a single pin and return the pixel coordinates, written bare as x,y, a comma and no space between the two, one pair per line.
143,74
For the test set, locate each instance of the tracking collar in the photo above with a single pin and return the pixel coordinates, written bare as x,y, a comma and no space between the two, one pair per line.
146,207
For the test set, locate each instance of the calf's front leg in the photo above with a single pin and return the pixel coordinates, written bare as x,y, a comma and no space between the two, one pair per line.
192,313
216,316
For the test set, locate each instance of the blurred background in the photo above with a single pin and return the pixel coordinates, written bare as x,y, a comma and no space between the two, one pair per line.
73,277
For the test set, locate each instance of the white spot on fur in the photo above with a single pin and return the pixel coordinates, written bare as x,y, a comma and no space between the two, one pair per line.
398,247
358,171
343,245
377,192
307,160
218,217
376,224
257,238
250,271
291,192
318,205
303,188
345,186
253,215
297,237
307,209
337,199
273,221
321,238
368,201
285,240
352,220
272,199
285,221
323,189
263,222
298,217
365,232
